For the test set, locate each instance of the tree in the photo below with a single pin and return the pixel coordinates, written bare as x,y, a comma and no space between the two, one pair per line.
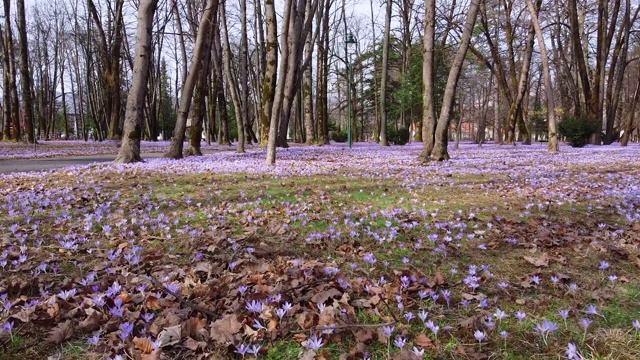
385,75
233,82
428,110
441,131
110,45
201,46
10,89
25,73
551,118
134,116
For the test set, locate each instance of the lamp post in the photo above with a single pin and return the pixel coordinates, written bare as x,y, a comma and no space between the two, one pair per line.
349,47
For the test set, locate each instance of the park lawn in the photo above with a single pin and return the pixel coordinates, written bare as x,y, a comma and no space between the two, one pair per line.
115,260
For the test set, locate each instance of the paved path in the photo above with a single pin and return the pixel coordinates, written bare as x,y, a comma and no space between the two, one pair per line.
26,165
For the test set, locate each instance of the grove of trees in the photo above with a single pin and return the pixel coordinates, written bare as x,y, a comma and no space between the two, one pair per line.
271,72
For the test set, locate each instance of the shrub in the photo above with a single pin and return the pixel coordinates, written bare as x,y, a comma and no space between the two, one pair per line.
576,130
400,137
339,136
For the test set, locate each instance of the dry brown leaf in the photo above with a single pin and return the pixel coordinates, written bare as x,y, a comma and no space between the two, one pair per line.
305,320
124,297
154,355
60,333
469,322
152,303
308,355
143,344
193,325
423,340
541,261
364,336
91,323
194,345
439,278
272,324
323,296
53,310
225,329
170,336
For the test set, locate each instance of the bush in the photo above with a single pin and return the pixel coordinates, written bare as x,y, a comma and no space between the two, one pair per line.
339,136
400,137
576,130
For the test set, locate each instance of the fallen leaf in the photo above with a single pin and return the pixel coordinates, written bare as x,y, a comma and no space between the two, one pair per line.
542,261
194,345
152,303
170,336
439,278
225,329
423,340
91,323
155,355
143,344
323,296
364,335
305,320
60,333
124,297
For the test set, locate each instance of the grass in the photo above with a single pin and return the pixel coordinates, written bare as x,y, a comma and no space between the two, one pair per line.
252,208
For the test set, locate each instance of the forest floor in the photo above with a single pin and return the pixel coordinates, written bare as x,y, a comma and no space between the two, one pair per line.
502,252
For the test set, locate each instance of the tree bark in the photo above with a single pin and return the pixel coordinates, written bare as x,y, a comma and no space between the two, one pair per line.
201,46
551,117
271,71
221,103
134,117
25,73
629,125
10,91
516,110
307,94
385,70
233,83
110,49
442,128
428,110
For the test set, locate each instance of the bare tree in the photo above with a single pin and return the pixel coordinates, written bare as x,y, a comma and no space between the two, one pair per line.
134,116
440,135
233,82
10,93
385,75
110,45
200,48
25,73
553,133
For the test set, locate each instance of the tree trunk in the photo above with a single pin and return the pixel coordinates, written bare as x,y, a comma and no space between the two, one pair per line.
134,117
551,117
10,90
271,71
221,103
307,94
322,74
428,106
515,112
442,128
25,72
231,79
385,70
201,46
244,77
6,93
629,125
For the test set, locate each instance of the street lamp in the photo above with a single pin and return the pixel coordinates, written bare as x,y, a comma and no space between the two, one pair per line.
349,47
